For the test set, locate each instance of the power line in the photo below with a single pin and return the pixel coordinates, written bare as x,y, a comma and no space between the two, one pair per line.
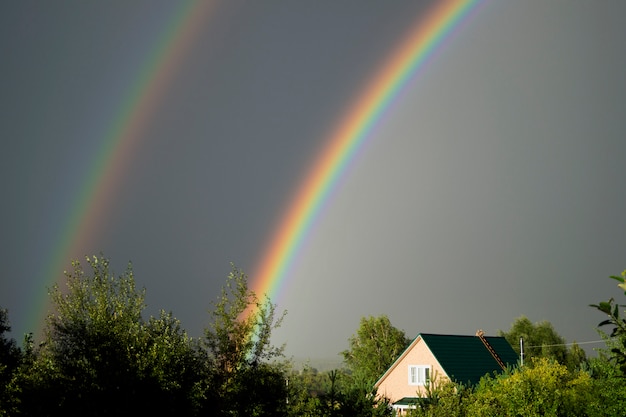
572,343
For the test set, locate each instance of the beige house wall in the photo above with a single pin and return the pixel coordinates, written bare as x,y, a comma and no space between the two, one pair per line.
395,384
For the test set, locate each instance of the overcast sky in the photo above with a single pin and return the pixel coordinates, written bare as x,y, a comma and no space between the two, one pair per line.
493,187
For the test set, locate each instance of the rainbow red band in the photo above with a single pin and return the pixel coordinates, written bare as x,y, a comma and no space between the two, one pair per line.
119,144
349,135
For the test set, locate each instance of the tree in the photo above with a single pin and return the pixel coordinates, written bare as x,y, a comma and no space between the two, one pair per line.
545,389
10,359
542,341
608,369
617,346
239,350
373,348
304,389
609,385
99,356
444,398
342,396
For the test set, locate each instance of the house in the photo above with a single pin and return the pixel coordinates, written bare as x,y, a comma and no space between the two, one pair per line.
463,359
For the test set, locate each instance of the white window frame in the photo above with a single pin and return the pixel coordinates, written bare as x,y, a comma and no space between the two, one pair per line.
419,374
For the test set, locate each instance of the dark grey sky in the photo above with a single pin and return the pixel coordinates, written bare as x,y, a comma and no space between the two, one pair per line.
493,187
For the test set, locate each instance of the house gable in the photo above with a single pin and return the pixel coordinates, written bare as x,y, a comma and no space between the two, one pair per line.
462,359
394,384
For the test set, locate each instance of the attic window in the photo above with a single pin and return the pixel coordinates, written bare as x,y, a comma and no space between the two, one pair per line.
419,374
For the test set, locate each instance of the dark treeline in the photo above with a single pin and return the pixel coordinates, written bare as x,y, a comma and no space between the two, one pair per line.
101,357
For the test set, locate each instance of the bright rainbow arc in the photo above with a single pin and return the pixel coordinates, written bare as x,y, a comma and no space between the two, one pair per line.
350,135
118,144
125,135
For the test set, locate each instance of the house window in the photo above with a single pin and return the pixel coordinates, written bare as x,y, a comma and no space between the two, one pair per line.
419,374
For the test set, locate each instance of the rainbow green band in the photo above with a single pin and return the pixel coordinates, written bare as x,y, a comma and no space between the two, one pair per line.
344,142
117,147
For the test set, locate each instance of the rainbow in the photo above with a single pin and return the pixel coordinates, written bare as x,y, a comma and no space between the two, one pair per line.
119,143
349,136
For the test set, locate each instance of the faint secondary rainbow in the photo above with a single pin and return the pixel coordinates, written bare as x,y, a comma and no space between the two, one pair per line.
350,134
118,144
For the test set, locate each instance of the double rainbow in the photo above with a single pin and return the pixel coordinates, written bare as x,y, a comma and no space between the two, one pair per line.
120,142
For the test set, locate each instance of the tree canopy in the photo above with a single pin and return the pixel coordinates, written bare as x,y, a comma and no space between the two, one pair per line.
238,343
10,357
541,340
545,389
374,347
101,356
617,336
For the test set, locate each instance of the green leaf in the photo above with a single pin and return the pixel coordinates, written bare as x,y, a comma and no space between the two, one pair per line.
605,306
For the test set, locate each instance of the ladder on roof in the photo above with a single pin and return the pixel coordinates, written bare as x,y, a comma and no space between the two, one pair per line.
481,336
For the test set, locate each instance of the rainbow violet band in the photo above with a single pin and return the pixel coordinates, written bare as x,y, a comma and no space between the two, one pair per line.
120,141
348,137
118,145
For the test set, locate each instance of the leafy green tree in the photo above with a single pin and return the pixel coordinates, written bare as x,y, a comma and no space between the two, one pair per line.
345,397
100,357
374,347
243,380
39,390
305,388
444,398
618,332
545,389
542,341
173,364
361,400
10,359
90,338
310,379
576,357
9,352
608,386
608,369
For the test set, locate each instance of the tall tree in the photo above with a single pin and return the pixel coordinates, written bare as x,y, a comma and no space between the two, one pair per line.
10,358
541,340
9,352
102,358
373,348
239,348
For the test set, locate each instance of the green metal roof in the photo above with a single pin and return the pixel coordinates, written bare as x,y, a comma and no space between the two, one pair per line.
465,359
408,401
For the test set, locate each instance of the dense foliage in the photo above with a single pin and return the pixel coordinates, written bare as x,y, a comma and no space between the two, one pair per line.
100,356
545,389
541,340
242,381
10,358
374,347
553,382
333,394
618,332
